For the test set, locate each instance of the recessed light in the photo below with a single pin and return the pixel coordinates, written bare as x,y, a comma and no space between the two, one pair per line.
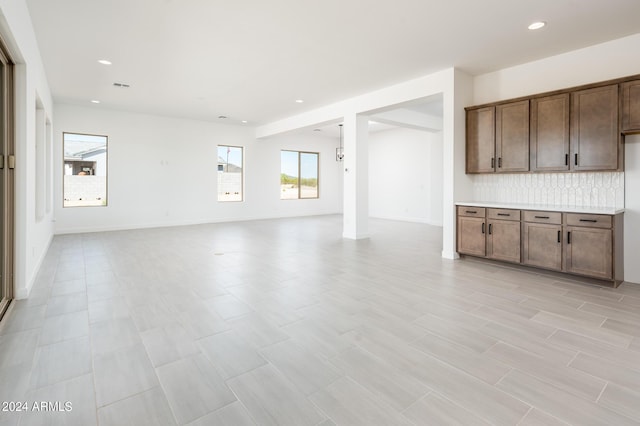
299,101
244,121
95,101
537,25
104,62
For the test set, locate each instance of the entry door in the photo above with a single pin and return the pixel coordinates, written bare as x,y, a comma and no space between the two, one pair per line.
7,164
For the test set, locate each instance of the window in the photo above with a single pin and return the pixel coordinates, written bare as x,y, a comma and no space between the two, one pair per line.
85,170
298,175
230,173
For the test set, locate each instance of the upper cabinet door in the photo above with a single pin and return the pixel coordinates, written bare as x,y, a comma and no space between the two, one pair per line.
550,133
512,137
594,129
631,106
480,148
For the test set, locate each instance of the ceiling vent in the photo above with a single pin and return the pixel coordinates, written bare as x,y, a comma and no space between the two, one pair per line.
122,85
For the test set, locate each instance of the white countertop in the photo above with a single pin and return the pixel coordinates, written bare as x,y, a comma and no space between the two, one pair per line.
542,207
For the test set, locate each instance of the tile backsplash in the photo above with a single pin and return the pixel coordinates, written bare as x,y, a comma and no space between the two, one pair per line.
597,189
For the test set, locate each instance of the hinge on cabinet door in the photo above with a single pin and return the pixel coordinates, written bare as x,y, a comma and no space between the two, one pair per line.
12,161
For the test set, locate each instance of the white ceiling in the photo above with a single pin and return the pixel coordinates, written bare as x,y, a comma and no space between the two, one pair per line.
251,59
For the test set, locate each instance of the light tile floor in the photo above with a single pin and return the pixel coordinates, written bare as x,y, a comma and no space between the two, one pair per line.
283,322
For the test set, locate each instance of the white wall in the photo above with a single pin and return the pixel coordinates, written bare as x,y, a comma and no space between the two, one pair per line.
456,88
601,62
405,175
596,63
32,237
632,209
163,171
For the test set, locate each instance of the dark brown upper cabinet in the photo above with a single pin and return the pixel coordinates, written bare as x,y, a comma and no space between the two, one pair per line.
595,136
570,130
631,106
480,146
512,137
550,133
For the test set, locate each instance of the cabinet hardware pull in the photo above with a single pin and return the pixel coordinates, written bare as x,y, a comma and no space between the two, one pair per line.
504,214
559,236
490,227
569,237
471,211
588,220
493,163
483,227
575,160
541,217
499,162
566,159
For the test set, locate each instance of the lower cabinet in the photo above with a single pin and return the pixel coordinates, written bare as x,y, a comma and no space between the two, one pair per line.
471,236
489,236
542,239
588,252
589,245
542,245
503,236
582,244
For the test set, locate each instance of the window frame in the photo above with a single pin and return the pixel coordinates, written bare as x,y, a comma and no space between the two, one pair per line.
241,174
106,184
299,153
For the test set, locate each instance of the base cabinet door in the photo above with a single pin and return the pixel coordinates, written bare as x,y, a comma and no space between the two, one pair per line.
589,251
503,240
542,245
471,236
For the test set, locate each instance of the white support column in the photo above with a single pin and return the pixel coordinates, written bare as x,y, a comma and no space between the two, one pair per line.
356,177
457,186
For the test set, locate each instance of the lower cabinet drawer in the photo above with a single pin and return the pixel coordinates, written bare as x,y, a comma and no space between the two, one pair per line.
503,214
471,211
542,217
588,220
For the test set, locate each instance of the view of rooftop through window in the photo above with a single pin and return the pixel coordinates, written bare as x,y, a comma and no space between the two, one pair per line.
85,170
230,171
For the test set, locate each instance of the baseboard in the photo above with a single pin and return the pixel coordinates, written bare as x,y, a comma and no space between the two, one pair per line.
355,236
23,292
453,255
169,224
407,219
